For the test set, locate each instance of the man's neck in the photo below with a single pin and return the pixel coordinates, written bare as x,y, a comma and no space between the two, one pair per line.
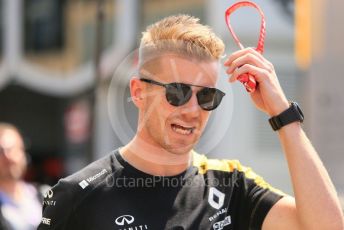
154,160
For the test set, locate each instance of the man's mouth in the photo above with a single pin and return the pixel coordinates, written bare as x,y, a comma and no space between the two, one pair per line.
182,129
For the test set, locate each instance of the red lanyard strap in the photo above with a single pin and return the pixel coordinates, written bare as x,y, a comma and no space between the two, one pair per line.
247,80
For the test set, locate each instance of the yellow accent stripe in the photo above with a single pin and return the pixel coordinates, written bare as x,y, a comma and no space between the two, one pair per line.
204,164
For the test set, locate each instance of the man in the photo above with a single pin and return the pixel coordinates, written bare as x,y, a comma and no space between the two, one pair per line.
20,206
157,181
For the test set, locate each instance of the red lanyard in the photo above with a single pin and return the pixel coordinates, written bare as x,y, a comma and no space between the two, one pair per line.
247,79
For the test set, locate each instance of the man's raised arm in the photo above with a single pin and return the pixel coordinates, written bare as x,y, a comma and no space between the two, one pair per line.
316,204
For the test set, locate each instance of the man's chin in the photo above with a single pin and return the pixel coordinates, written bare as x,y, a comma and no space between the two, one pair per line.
180,149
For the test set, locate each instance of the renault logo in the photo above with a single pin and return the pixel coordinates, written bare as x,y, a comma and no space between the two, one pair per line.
125,219
216,198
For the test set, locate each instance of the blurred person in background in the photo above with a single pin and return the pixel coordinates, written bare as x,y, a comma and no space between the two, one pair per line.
20,203
157,181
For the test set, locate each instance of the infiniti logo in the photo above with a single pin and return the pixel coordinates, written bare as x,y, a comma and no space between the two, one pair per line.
48,194
125,219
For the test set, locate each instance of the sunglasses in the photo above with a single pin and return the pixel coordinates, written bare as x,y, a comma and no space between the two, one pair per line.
178,94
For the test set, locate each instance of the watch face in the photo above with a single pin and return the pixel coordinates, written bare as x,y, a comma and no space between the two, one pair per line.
299,111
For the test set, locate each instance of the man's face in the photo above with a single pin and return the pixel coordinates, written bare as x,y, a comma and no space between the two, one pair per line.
175,128
12,156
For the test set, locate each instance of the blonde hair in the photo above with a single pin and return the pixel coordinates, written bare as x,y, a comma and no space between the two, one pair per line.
181,34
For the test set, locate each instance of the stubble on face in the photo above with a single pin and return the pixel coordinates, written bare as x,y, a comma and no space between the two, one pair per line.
158,115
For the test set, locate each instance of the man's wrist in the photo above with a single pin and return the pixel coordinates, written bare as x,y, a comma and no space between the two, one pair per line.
278,110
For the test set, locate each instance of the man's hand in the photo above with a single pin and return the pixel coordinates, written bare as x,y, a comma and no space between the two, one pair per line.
269,96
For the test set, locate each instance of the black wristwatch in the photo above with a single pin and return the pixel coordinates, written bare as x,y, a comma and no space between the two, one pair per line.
292,114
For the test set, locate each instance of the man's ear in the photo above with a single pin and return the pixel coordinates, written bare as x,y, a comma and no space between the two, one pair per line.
136,91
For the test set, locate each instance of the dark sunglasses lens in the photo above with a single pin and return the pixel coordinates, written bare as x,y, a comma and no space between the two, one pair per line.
209,98
178,94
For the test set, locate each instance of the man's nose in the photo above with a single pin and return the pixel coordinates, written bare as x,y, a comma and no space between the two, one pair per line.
191,108
5,153
11,154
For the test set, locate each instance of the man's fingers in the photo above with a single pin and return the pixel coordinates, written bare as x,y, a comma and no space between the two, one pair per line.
251,62
242,52
248,58
258,73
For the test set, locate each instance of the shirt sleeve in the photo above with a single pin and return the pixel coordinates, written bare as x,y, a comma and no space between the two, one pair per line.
260,197
58,207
